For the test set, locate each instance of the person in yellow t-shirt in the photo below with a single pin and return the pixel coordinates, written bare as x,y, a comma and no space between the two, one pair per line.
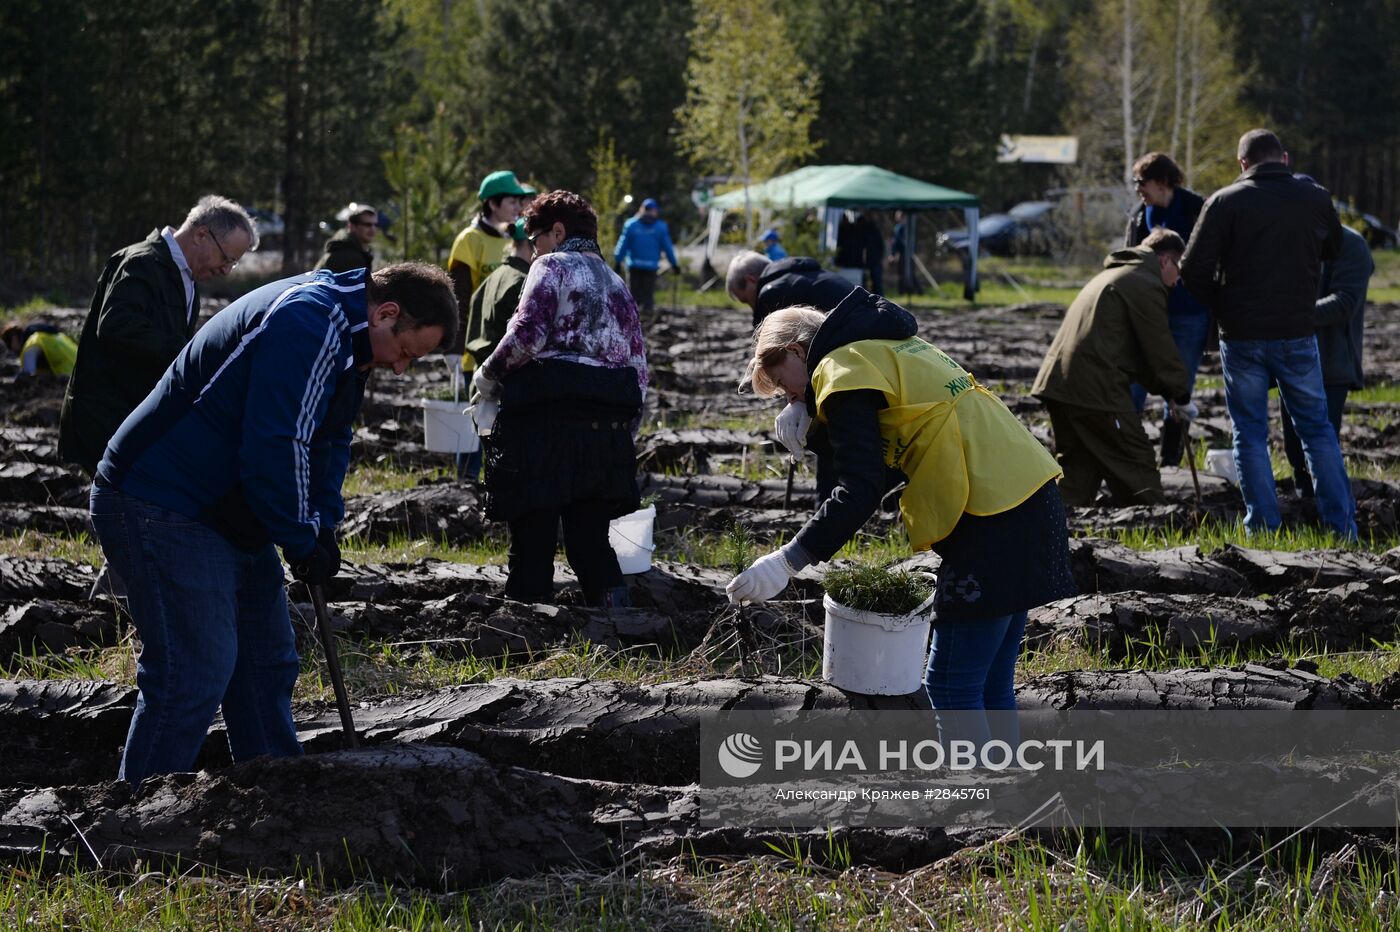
40,348
480,248
980,489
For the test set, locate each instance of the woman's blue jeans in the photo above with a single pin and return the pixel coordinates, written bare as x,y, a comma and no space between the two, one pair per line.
214,632
971,670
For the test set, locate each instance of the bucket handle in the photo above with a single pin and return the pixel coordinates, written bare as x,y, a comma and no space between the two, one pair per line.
639,546
927,604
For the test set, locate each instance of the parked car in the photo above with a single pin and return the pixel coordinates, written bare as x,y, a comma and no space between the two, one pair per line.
269,226
1028,229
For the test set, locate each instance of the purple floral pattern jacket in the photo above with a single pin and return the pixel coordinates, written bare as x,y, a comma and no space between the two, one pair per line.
572,307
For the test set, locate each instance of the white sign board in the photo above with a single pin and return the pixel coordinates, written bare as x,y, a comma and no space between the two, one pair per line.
1054,150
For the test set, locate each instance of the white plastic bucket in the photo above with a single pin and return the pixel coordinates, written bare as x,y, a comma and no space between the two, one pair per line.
447,428
1222,463
872,653
630,537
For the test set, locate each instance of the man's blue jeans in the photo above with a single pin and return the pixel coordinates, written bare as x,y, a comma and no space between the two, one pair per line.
972,667
214,631
1249,366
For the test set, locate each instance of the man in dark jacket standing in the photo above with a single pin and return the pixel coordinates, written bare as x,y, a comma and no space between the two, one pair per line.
1341,326
1114,333
143,312
1255,259
350,248
244,445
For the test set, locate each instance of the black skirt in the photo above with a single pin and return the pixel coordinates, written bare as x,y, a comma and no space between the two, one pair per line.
1000,564
563,435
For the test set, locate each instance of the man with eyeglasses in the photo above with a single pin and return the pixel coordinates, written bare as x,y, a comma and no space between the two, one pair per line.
350,248
1114,334
144,311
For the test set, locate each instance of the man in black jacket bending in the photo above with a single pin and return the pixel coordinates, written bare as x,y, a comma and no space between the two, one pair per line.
1254,259
771,286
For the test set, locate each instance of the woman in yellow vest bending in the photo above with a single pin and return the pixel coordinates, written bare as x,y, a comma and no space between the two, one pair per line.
40,348
981,490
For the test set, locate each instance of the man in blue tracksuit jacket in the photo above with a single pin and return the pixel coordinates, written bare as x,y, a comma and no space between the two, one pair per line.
644,238
243,445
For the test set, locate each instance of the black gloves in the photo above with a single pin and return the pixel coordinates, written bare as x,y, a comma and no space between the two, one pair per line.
327,539
322,564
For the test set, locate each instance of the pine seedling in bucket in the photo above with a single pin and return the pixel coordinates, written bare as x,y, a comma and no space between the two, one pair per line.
877,626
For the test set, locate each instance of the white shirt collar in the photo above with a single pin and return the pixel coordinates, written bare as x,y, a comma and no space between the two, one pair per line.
186,278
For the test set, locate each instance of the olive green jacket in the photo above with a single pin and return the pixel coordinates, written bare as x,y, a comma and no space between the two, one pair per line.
137,324
1114,334
492,306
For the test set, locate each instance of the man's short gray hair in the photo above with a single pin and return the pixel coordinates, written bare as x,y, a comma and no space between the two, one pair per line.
223,216
742,266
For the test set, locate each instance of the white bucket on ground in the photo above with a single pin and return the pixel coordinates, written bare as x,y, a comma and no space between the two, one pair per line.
630,537
1222,463
447,428
873,653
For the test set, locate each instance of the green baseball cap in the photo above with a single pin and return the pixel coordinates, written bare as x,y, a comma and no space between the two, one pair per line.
517,230
498,183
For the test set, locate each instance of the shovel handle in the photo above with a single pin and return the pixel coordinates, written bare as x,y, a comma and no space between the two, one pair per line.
323,628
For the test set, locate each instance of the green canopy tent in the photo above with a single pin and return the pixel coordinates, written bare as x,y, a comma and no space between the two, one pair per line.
835,188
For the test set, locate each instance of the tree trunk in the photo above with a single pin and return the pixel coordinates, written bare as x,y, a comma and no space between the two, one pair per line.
293,171
1127,91
744,164
1177,53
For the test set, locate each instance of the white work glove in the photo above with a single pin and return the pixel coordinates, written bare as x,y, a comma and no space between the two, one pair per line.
790,427
767,577
1185,413
483,415
487,388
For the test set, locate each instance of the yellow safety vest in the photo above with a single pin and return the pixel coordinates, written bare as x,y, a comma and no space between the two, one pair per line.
60,352
961,448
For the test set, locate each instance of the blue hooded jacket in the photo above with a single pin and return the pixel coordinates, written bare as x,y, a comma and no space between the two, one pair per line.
642,242
249,429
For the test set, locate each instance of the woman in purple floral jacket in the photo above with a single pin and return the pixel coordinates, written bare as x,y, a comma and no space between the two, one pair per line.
570,375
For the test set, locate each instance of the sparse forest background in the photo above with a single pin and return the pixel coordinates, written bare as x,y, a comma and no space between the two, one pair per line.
116,116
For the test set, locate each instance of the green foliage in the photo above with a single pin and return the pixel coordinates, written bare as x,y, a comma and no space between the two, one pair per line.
750,100
427,173
873,588
612,181
546,77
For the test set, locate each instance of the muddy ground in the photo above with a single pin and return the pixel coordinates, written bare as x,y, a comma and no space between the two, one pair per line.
509,776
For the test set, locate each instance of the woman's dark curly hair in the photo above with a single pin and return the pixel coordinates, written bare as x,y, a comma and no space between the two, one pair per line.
1158,166
563,207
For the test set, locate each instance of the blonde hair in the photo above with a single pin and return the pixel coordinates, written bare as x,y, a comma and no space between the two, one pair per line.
790,325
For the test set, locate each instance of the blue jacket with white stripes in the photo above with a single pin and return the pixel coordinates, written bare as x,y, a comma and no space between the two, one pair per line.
249,429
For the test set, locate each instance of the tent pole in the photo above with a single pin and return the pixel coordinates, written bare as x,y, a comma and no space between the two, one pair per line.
909,240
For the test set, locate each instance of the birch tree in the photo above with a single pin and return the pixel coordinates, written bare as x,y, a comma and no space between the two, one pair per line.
750,100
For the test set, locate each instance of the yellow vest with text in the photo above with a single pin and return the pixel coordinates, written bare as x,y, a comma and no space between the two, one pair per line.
960,447
60,352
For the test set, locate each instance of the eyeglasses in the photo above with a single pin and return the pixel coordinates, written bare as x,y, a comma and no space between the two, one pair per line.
534,236
1139,182
231,263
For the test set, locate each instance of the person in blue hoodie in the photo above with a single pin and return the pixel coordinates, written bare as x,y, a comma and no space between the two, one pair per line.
773,246
242,447
644,238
